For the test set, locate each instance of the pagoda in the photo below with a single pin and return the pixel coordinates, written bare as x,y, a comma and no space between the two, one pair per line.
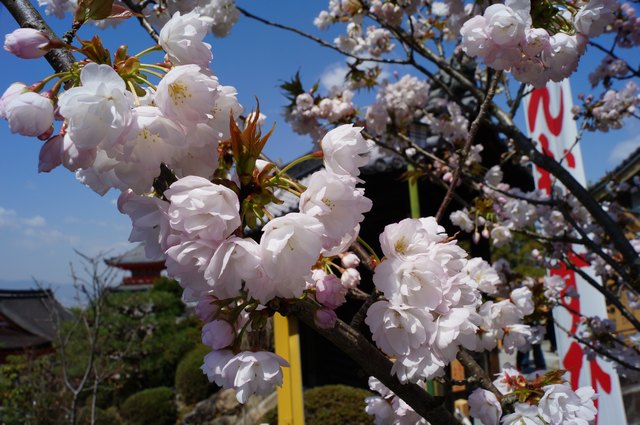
144,271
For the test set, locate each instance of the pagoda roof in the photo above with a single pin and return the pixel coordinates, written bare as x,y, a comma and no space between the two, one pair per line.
134,256
27,318
625,171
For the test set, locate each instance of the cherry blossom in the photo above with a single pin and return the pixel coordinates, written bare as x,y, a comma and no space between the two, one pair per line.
27,43
182,36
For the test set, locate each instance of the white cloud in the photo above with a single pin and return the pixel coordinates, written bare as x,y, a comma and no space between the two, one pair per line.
334,74
7,217
623,150
35,221
46,236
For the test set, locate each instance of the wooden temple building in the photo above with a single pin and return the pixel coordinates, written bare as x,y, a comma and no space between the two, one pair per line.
27,321
143,271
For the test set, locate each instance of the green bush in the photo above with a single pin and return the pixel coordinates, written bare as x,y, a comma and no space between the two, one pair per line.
154,406
164,284
191,384
103,416
331,405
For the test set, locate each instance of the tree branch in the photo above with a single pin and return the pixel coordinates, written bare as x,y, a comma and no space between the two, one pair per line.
375,363
144,23
526,145
319,40
473,130
28,17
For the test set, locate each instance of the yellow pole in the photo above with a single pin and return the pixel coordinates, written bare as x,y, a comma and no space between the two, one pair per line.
432,387
290,402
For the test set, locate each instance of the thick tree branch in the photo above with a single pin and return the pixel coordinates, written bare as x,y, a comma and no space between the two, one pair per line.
28,17
476,371
526,146
375,363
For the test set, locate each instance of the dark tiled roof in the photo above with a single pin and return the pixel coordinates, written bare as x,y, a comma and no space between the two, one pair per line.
31,311
627,169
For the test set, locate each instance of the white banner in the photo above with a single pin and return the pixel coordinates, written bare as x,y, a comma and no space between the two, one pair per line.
550,124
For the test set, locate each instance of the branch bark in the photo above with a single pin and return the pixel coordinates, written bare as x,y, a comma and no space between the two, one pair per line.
28,17
375,363
526,146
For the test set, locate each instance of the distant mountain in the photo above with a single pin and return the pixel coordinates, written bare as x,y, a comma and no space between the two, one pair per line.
65,293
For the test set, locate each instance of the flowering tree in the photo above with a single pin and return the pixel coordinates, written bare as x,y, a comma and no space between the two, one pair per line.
194,181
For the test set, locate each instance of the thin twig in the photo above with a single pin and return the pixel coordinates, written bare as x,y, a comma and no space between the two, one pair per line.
473,130
144,23
318,40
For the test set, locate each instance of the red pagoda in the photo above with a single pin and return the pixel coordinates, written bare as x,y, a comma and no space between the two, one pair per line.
143,270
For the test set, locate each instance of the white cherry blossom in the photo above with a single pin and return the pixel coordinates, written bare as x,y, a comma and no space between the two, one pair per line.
187,94
182,37
253,373
98,111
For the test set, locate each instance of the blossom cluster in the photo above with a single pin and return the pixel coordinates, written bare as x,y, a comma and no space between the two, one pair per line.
505,38
220,15
398,104
430,291
601,336
506,210
609,111
116,138
627,26
306,112
232,277
520,397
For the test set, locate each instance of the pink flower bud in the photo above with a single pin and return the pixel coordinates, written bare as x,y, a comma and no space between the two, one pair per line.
218,334
325,318
27,43
206,309
51,154
29,113
13,90
330,292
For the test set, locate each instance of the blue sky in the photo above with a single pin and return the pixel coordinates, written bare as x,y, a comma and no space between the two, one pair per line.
44,217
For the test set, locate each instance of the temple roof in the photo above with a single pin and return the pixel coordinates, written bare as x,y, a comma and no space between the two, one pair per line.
625,171
25,317
132,257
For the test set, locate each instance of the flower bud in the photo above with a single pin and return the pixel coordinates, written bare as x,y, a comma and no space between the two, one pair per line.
51,154
350,260
325,318
27,43
29,114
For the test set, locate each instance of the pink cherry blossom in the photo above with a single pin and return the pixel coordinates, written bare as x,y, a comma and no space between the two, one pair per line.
203,209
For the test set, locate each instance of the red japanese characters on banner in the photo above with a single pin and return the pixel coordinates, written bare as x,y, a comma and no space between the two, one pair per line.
551,126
